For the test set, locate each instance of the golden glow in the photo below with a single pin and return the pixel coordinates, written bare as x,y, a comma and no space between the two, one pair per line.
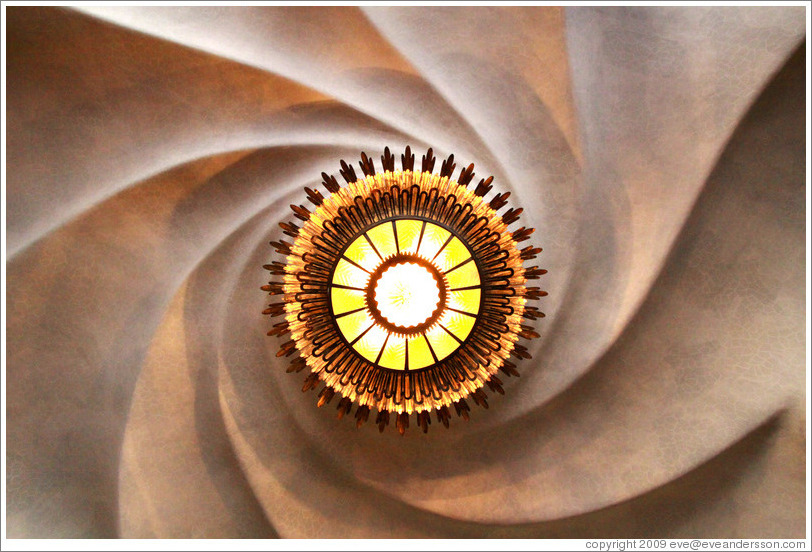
407,294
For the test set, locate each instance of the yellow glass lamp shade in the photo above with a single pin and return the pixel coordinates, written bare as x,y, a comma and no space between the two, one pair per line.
404,291
402,297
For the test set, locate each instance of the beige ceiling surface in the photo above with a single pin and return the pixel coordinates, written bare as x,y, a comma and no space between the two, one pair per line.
659,152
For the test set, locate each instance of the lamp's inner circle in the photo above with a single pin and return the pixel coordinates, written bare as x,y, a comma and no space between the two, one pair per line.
407,294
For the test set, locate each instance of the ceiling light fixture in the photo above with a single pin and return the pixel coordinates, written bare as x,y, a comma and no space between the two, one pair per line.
404,291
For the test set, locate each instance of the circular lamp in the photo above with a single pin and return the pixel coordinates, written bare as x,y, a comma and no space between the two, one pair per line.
404,291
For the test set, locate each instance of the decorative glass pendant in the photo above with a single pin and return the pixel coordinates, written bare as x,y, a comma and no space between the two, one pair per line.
404,291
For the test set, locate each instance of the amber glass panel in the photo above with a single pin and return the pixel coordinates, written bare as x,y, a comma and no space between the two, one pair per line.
458,324
452,255
395,353
466,301
352,325
370,345
419,354
441,342
347,274
408,234
383,236
345,300
362,253
464,276
433,239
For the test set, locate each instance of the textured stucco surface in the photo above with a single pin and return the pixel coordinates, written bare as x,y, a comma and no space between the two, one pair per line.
659,153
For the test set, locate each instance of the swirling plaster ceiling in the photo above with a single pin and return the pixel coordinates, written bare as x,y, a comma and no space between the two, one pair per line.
658,151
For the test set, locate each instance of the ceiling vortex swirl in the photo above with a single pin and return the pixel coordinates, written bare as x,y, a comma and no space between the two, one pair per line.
657,151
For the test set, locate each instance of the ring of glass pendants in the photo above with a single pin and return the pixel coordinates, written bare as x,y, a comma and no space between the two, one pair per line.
407,326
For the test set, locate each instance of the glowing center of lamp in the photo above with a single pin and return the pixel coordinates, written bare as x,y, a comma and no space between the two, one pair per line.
407,294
